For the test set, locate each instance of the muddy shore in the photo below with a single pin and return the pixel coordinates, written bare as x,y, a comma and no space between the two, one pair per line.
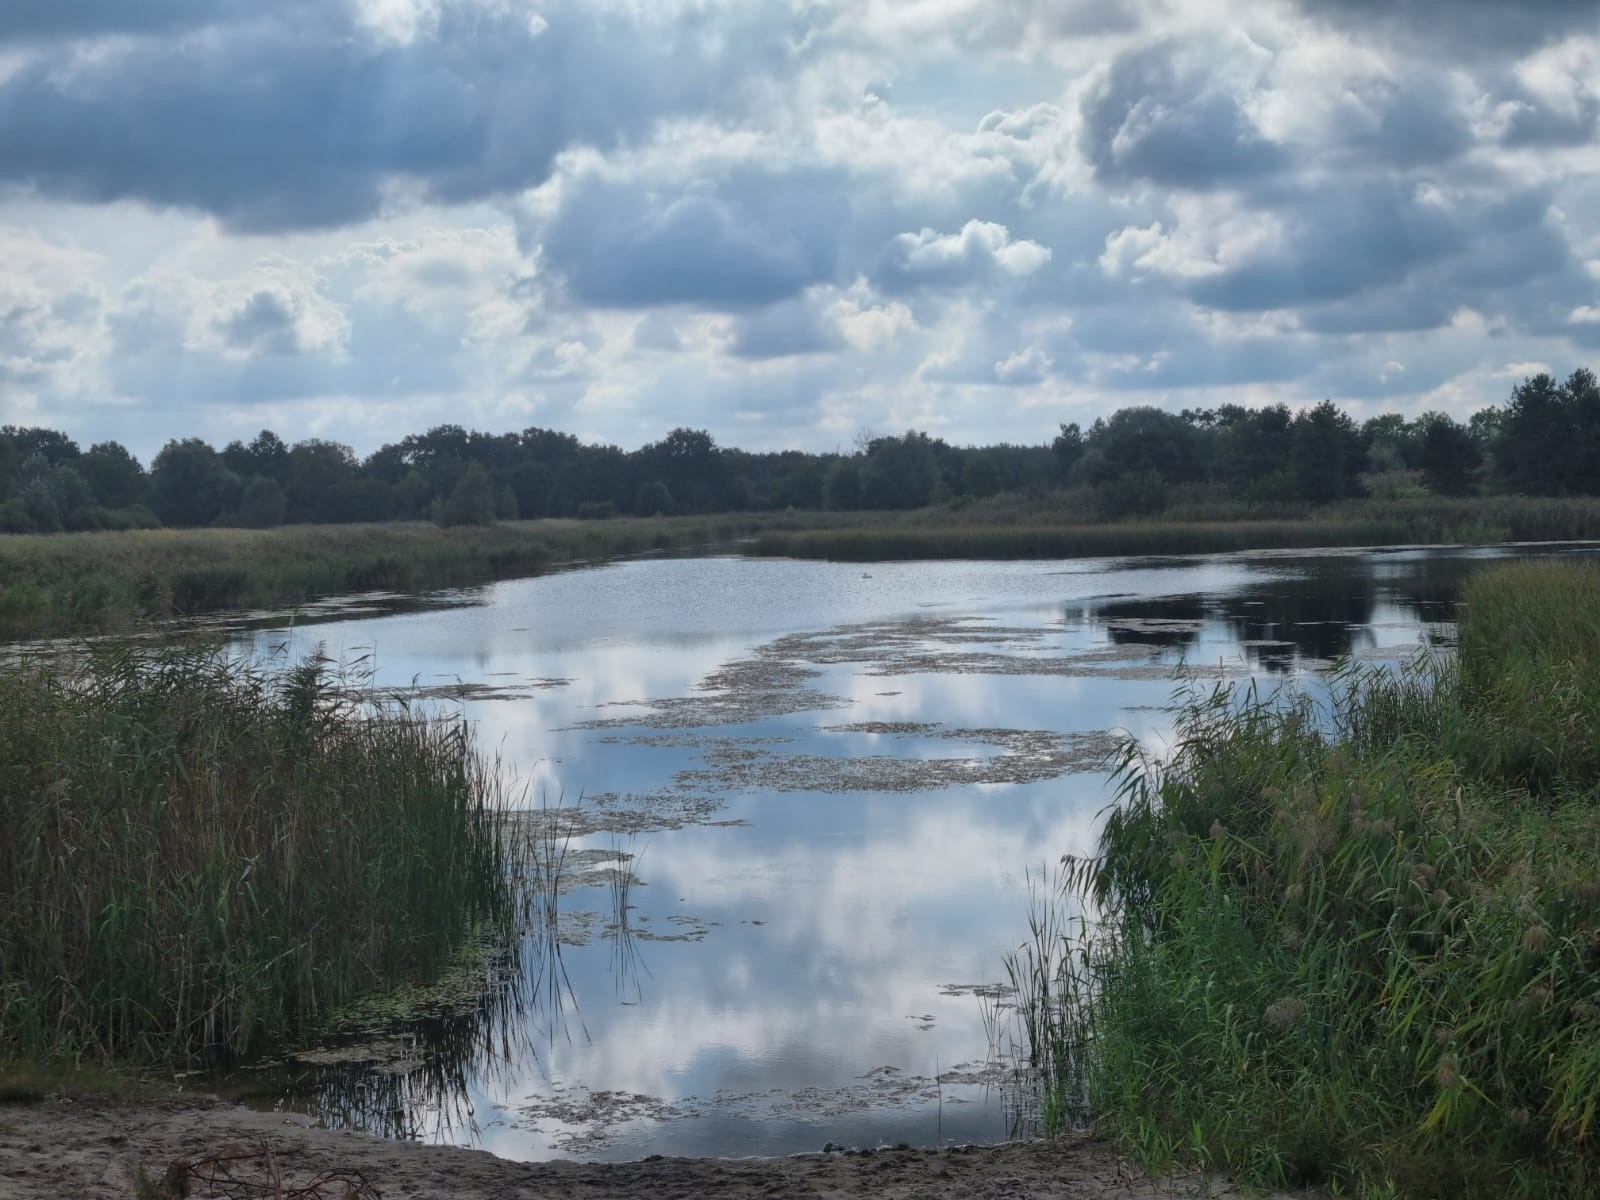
93,1148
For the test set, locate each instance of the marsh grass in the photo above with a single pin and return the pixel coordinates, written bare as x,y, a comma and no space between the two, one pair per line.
53,584
1362,946
1048,995
204,858
1046,531
626,961
62,583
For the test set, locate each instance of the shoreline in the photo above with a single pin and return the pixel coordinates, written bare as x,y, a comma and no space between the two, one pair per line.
94,1147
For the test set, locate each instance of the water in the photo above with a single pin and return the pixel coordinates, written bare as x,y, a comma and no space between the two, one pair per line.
828,784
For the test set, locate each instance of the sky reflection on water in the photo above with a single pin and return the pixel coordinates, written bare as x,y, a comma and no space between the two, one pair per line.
794,960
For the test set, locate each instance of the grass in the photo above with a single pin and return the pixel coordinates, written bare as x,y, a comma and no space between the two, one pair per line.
54,584
63,583
1361,947
995,531
203,859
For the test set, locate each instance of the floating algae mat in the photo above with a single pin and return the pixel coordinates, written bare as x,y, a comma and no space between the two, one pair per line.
782,817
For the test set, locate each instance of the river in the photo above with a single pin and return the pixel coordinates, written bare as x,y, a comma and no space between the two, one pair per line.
798,807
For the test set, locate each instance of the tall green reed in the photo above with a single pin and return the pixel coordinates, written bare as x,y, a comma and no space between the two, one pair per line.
204,857
1361,945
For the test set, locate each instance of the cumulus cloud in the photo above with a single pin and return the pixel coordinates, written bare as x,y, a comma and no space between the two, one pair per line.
275,310
1482,26
310,115
780,330
979,252
747,240
51,316
783,223
1025,366
1159,114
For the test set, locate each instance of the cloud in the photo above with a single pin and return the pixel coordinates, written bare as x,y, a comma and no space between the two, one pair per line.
1484,26
782,223
1025,366
276,310
1347,241
52,310
1159,115
44,19
740,242
980,252
304,117
1551,98
787,328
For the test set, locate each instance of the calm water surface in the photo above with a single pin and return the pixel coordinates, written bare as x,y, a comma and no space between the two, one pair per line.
827,784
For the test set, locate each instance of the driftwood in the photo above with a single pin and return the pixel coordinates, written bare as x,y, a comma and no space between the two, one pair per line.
238,1172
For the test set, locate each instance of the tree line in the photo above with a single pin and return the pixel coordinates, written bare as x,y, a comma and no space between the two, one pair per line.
1545,440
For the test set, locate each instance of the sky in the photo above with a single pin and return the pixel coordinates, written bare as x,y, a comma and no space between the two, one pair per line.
788,222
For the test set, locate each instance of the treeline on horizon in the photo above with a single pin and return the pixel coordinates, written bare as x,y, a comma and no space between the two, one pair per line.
1544,441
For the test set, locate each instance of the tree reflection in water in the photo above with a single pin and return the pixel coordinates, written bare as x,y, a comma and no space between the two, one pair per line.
1319,611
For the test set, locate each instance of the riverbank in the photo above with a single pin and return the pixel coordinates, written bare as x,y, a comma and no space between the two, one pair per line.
52,584
1358,945
59,584
1047,530
93,1148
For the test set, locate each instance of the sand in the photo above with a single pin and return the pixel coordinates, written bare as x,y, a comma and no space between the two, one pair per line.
85,1149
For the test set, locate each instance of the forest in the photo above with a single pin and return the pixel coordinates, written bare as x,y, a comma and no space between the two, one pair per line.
1139,461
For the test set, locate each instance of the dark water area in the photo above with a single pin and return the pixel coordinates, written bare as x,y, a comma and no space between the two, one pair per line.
790,813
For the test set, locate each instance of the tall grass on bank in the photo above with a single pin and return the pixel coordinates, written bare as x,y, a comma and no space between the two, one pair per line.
1040,533
201,858
1363,947
61,583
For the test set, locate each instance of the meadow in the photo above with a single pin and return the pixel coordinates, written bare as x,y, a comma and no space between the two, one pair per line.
1359,946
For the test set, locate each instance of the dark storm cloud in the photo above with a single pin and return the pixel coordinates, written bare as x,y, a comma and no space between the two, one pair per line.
1535,122
1490,26
264,323
1374,260
782,330
1157,121
276,133
1155,342
747,241
39,19
1339,240
1408,123
304,121
1410,308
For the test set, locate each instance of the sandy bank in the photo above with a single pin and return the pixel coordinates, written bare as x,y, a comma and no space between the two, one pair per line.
93,1148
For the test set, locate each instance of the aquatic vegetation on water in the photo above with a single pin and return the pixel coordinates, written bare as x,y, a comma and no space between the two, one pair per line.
775,680
1027,755
584,1121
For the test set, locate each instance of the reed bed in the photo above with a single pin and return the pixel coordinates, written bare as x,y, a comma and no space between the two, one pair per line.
203,858
52,584
1042,534
1072,541
63,583
1361,947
